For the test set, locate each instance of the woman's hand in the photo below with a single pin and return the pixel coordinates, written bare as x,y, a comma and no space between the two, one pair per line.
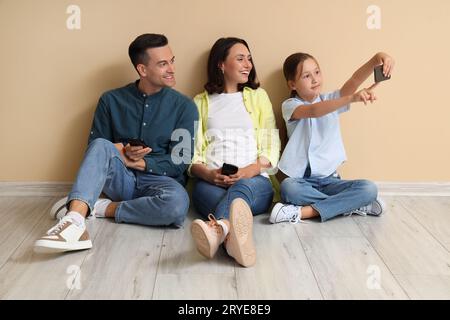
388,63
244,173
215,177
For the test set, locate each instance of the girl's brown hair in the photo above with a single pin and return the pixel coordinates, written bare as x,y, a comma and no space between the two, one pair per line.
290,66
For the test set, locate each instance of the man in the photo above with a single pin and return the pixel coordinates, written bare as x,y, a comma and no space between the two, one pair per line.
142,181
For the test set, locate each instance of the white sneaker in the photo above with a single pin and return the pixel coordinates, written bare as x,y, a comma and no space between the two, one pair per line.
285,213
64,236
374,208
59,210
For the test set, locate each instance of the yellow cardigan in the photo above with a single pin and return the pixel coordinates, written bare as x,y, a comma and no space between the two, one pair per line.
259,107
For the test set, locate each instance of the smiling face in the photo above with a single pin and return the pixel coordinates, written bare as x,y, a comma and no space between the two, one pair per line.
236,67
160,69
308,80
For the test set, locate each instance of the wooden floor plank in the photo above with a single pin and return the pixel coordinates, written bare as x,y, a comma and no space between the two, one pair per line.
433,213
182,267
349,268
339,259
18,217
27,275
122,264
195,286
282,270
179,255
426,287
337,227
404,244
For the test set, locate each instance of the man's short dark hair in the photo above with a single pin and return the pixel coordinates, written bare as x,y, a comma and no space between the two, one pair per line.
138,48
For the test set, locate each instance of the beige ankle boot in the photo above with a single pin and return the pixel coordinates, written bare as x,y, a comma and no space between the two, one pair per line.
239,243
208,236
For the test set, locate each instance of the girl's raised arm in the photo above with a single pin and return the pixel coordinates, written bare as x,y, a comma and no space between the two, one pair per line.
360,75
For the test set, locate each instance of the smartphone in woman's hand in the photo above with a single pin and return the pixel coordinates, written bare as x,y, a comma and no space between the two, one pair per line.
229,169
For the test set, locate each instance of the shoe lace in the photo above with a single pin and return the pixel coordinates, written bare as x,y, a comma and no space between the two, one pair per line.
214,224
360,212
295,219
287,215
217,228
56,229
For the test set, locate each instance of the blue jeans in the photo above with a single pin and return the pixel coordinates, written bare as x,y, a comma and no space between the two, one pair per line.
330,196
144,198
209,198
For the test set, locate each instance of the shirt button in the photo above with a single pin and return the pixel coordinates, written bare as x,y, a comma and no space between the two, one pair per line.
151,170
165,173
143,95
144,124
146,105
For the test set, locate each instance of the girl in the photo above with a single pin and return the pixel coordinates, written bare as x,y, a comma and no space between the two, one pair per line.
236,126
315,149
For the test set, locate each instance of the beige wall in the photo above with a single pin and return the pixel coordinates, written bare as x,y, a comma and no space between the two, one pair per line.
52,77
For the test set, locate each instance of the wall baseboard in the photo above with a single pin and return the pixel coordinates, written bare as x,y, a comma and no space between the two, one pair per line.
35,189
436,189
56,189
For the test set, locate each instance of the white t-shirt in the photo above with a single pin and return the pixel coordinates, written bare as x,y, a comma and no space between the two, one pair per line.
230,132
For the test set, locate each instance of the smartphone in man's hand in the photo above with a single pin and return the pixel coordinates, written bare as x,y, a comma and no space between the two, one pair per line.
137,143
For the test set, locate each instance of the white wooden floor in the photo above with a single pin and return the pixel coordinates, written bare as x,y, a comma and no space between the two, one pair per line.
405,254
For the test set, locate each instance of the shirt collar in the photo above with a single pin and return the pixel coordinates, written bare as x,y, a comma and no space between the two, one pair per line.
318,99
135,89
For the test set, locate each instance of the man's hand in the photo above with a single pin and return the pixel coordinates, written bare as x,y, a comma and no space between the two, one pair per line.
129,163
119,146
136,153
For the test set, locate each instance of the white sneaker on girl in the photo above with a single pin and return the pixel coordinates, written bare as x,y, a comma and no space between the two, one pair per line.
285,213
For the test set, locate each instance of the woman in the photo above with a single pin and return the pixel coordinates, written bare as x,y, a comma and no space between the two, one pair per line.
237,128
